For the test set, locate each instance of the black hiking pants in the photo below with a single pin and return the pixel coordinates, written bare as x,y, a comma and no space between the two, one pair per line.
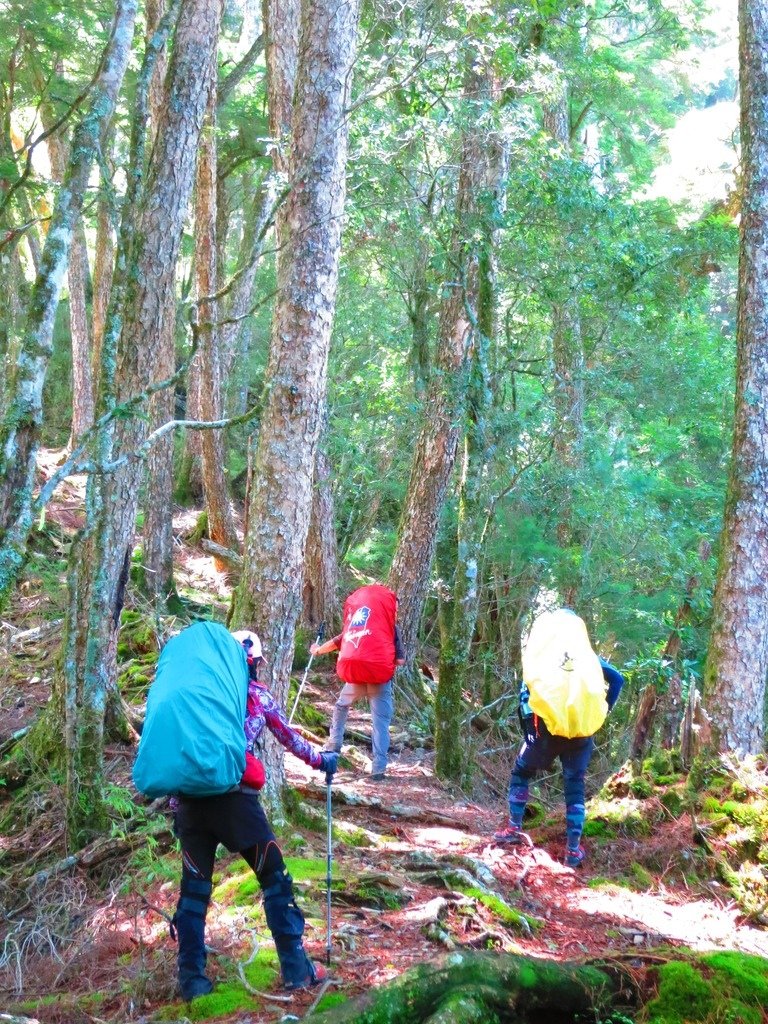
237,821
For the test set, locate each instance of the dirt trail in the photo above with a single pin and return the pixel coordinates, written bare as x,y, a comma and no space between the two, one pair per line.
577,919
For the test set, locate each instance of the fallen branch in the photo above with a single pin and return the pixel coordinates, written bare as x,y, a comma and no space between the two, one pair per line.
102,849
234,558
393,810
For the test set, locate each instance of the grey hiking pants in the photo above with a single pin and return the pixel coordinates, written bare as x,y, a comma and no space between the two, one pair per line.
380,699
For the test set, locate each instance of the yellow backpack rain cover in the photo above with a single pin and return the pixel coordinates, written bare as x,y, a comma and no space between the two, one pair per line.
564,676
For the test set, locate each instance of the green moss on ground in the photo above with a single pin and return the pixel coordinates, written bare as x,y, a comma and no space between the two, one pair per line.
229,996
331,999
716,988
507,914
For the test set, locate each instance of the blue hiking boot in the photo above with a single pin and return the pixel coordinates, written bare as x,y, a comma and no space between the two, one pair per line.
574,858
512,835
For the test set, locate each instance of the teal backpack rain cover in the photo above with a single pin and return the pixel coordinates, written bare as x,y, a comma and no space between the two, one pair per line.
193,741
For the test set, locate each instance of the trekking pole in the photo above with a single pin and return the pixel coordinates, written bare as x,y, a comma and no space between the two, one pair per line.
320,632
329,865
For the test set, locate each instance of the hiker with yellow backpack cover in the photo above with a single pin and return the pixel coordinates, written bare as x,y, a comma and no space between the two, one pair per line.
566,694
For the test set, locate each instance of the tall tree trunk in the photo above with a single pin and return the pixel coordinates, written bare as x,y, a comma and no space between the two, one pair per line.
321,571
737,660
221,524
82,377
78,277
568,384
435,451
489,152
269,596
103,267
158,513
101,559
235,333
20,430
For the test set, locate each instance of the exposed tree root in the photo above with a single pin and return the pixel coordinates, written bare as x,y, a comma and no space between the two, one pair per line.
467,986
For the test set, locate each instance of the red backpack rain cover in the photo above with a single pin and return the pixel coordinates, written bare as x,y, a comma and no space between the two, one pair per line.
367,652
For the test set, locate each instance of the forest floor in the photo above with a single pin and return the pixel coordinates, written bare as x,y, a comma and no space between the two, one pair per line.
415,872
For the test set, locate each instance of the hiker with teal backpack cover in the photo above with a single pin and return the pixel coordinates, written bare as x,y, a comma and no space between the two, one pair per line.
548,702
206,713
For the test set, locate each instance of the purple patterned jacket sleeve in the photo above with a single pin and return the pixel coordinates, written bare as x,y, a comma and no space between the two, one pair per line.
264,712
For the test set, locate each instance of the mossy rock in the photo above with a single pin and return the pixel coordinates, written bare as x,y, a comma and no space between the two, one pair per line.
641,877
625,815
483,988
748,884
308,715
744,973
304,637
229,996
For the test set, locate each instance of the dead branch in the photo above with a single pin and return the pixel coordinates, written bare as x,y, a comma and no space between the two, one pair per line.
393,810
233,558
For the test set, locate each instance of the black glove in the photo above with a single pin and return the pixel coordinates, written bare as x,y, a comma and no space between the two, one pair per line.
330,761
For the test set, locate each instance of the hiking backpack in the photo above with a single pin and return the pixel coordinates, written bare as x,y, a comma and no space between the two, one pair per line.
193,740
367,652
563,675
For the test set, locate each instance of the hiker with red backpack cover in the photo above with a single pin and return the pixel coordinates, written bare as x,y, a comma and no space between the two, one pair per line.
542,744
370,650
237,820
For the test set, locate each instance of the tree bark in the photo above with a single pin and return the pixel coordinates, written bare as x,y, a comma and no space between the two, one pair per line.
321,571
737,659
20,430
157,551
78,276
221,524
269,596
103,267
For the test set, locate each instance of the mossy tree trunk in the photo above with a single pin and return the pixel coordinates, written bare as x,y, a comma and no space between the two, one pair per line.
100,561
567,360
467,987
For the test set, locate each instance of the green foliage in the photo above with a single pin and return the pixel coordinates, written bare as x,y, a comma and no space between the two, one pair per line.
641,788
